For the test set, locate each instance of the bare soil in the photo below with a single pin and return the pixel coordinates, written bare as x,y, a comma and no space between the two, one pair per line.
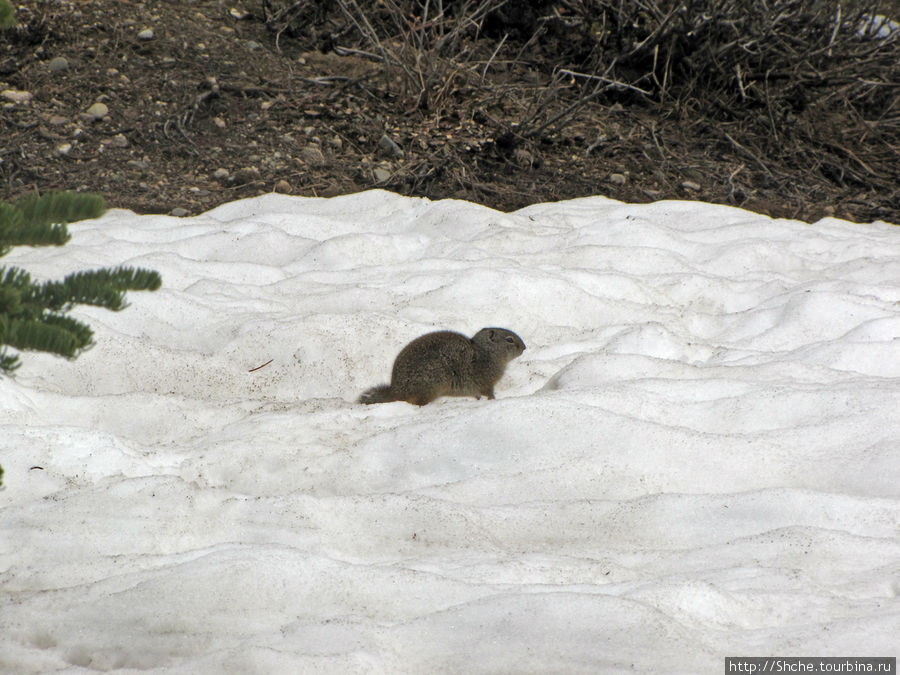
229,100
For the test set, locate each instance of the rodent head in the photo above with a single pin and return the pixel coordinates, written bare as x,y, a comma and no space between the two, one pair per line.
500,340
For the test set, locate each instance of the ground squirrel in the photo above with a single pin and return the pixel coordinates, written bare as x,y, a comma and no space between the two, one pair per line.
448,364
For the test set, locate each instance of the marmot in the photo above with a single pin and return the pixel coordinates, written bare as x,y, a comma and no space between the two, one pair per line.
445,363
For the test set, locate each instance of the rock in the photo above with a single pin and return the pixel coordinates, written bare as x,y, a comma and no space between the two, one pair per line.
283,187
120,141
16,96
618,178
381,175
139,164
523,158
97,111
57,120
64,148
253,45
246,174
219,122
388,145
312,154
58,64
146,34
178,212
220,174
690,185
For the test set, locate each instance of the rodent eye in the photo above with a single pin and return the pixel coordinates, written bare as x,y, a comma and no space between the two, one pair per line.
510,340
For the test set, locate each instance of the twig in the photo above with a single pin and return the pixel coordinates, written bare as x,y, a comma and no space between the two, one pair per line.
493,55
837,24
253,370
615,84
749,154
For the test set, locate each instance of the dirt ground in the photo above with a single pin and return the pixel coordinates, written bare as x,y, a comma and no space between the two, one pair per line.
204,102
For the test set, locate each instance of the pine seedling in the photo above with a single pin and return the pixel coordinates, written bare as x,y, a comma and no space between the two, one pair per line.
33,316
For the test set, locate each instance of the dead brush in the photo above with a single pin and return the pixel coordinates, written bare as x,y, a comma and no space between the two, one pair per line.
426,53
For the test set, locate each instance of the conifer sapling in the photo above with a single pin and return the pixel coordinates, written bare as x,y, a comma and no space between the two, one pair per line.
33,315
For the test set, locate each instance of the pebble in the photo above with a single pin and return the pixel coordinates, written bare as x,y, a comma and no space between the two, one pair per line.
16,96
97,111
690,185
220,174
178,212
119,141
389,146
146,34
253,45
523,158
64,148
57,120
618,178
381,175
58,64
246,174
312,154
283,186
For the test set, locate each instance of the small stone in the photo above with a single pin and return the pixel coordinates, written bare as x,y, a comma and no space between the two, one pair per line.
389,146
16,96
219,122
618,178
120,141
283,187
253,45
58,64
381,175
523,158
178,212
57,120
220,174
139,164
246,174
97,111
690,185
146,34
312,154
64,148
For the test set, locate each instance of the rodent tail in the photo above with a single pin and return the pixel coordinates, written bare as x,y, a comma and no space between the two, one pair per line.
380,394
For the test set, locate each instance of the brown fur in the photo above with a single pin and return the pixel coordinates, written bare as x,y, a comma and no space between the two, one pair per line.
448,364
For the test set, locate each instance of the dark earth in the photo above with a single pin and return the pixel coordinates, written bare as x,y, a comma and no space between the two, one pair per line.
205,102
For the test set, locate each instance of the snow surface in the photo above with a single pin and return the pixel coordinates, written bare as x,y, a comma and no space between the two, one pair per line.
696,457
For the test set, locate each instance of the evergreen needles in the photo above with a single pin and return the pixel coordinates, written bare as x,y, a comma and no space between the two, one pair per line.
33,315
7,15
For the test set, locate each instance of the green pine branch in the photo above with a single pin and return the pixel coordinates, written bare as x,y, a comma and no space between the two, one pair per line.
33,315
53,333
7,20
8,362
101,288
61,207
40,220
